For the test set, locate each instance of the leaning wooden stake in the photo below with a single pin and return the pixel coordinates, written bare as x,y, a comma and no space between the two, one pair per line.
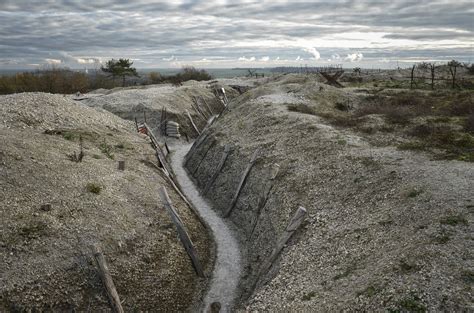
192,123
107,279
225,154
183,235
195,145
242,183
211,144
295,222
262,201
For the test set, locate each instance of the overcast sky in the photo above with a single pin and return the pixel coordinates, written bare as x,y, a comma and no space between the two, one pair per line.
223,33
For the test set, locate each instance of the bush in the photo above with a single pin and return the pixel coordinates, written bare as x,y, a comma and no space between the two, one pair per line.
188,73
94,188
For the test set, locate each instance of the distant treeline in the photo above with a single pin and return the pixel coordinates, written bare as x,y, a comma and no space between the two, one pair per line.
67,81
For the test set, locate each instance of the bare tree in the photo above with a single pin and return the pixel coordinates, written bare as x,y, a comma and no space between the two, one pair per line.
452,66
432,67
412,76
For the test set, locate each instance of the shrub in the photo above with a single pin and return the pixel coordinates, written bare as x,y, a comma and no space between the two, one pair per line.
94,188
454,220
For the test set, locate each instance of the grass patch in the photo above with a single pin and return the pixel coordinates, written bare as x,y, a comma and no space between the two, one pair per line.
69,135
414,192
107,150
308,296
34,230
301,108
411,304
94,188
96,156
454,220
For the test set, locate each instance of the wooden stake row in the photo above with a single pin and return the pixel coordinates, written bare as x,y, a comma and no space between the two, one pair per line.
192,123
183,235
209,146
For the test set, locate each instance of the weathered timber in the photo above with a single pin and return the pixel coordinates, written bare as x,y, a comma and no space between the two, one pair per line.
207,106
192,123
242,183
294,224
219,167
262,201
107,280
183,235
136,124
121,165
159,152
210,145
195,145
199,112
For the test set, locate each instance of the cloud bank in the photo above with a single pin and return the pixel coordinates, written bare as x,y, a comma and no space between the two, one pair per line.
241,33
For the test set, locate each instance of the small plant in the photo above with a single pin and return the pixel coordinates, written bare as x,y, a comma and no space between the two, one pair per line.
368,292
454,220
301,108
94,188
407,267
412,304
308,296
77,157
412,145
96,156
107,150
68,135
414,192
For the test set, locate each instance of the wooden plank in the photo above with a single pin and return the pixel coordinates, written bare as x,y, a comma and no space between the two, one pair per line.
199,112
293,225
219,167
242,183
211,144
183,235
207,106
262,201
195,145
121,165
192,123
159,152
107,280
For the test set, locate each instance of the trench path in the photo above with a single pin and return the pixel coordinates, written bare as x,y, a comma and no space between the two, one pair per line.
227,268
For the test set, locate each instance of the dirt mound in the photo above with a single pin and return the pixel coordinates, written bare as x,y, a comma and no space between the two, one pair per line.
386,230
53,209
131,103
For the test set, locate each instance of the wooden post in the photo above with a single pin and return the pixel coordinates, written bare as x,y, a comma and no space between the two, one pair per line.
211,144
198,111
192,123
167,148
159,152
144,116
207,106
225,154
242,183
183,235
107,279
136,124
294,224
121,165
195,145
262,201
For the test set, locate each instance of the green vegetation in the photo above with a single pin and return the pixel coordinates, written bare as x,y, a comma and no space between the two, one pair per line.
187,73
368,292
349,270
406,267
119,68
412,304
94,188
301,108
107,150
308,296
454,220
414,192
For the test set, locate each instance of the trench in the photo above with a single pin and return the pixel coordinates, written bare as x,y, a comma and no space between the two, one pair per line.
227,268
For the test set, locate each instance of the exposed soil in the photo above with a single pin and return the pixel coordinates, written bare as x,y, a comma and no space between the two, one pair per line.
387,229
53,209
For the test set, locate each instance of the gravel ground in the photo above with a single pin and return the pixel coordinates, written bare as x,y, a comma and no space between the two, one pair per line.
131,102
387,229
45,253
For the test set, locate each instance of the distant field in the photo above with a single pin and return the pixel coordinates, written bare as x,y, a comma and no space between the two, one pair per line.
215,72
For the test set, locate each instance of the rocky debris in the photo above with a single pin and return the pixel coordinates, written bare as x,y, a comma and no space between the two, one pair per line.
53,209
387,229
